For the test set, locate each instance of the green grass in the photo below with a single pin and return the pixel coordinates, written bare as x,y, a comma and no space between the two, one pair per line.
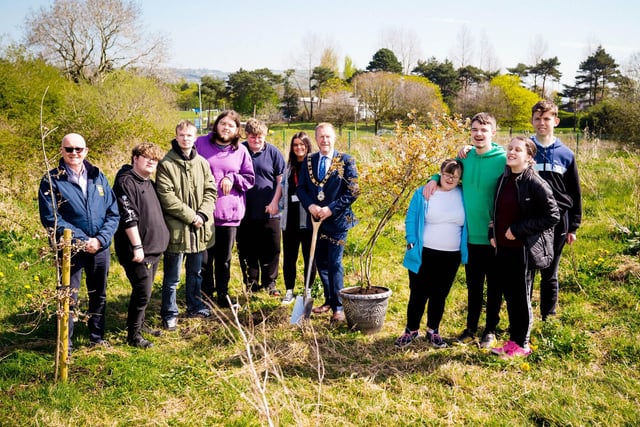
584,370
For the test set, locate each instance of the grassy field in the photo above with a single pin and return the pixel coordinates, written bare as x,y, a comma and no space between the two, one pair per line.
259,370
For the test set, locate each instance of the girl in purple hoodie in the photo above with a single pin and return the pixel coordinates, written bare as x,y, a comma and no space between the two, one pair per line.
233,171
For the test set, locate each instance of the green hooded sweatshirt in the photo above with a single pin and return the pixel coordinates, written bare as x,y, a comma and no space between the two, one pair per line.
480,173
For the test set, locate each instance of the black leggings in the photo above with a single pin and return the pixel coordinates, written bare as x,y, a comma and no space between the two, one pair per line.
433,283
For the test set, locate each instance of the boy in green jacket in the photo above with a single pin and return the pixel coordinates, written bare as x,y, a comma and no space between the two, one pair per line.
481,168
187,192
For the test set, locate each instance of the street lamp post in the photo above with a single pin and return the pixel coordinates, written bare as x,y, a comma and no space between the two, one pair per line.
200,101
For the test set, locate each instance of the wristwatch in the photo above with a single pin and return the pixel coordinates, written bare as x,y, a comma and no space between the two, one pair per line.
410,246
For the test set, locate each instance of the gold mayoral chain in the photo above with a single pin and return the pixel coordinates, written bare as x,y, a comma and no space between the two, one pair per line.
335,161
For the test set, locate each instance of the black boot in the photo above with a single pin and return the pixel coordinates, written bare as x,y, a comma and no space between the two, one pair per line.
136,340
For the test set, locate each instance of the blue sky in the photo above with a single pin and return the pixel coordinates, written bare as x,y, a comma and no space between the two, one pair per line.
253,34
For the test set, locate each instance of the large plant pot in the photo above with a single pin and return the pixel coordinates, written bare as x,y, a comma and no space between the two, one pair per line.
365,311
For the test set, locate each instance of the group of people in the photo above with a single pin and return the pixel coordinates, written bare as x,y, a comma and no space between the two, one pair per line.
210,192
510,217
504,214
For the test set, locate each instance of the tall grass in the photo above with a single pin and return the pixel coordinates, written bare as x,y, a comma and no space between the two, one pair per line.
584,370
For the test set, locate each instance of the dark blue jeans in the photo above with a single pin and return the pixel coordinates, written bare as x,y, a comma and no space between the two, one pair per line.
329,251
193,283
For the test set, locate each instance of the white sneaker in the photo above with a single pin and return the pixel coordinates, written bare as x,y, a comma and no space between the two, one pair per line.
288,297
170,324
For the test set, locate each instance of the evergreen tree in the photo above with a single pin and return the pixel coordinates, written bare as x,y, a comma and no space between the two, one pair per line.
385,60
597,73
441,73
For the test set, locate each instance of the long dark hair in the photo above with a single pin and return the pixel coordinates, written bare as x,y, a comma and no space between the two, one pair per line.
293,159
236,118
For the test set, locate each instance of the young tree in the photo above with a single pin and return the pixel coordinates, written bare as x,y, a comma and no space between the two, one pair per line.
385,60
90,38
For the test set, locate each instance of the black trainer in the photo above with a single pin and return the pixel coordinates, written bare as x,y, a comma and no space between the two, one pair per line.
140,342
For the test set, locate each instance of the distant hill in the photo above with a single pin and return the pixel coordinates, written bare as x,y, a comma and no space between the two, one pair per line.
195,74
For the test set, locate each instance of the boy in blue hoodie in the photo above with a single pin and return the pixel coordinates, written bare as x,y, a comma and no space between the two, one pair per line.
556,163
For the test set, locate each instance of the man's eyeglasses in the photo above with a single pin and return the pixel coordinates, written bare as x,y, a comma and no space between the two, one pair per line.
72,149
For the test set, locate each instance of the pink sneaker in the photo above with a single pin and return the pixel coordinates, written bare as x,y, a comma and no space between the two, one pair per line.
511,349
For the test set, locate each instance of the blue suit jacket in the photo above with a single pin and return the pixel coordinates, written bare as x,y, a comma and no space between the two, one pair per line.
340,190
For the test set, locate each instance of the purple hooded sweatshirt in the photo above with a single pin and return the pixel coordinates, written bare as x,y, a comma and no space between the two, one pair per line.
225,161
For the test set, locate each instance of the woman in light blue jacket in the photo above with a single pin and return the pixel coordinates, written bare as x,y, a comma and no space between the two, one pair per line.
436,235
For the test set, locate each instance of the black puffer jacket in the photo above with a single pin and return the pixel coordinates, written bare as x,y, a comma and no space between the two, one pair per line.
539,215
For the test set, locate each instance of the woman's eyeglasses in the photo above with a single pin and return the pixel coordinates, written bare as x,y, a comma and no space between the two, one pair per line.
72,149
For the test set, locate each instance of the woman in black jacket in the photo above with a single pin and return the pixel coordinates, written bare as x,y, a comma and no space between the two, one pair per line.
524,209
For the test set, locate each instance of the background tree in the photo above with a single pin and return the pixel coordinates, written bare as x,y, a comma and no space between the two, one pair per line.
463,53
517,102
213,92
290,104
111,116
385,60
487,54
339,107
596,74
442,74
320,76
572,95
90,38
404,43
473,82
186,95
470,76
251,91
418,96
349,68
376,93
329,60
521,70
544,70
